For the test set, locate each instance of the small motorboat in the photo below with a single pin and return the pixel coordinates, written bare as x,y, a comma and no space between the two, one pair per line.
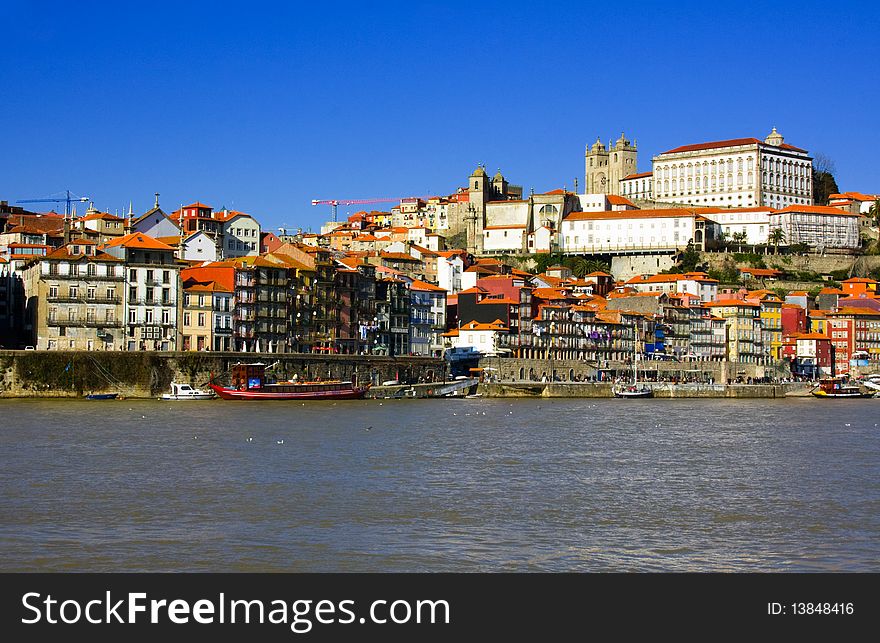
101,396
186,392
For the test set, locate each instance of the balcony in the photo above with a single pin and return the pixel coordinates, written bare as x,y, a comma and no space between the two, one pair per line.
83,300
84,278
86,323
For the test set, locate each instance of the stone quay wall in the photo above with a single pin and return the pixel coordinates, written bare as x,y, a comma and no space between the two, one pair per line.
149,374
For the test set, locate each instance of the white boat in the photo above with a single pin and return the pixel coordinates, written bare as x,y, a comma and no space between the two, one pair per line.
634,389
186,392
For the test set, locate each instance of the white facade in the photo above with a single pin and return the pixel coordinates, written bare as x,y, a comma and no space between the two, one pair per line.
241,236
738,173
200,246
697,284
504,239
638,186
596,232
449,273
753,222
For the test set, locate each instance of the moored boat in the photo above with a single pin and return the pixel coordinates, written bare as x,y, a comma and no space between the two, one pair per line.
632,391
249,383
186,392
102,396
839,387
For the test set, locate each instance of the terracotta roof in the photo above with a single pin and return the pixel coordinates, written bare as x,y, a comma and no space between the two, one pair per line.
495,325
417,284
640,175
731,302
502,227
614,199
630,214
859,280
138,240
733,142
816,209
500,300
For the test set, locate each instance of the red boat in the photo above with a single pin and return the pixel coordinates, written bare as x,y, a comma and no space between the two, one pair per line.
249,383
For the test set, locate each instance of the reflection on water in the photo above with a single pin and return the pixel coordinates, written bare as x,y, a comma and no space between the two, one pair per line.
447,485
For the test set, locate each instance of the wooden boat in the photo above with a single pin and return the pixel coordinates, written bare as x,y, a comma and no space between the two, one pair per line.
839,387
186,392
632,391
102,396
249,382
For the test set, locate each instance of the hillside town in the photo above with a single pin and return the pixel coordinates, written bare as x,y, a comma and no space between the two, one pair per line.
721,252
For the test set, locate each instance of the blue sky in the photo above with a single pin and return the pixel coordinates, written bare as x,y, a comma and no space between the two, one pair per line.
262,107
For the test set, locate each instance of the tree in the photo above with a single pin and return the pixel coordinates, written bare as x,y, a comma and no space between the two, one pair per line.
739,238
824,184
582,266
874,213
776,237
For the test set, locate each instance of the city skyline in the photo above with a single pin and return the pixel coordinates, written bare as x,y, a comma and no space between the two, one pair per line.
264,112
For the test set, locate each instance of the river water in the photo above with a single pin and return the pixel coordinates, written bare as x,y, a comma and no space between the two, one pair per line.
440,485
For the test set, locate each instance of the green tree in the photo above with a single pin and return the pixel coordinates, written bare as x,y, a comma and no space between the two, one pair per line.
582,266
739,238
874,213
776,237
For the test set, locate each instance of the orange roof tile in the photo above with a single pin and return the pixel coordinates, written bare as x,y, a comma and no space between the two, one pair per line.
138,240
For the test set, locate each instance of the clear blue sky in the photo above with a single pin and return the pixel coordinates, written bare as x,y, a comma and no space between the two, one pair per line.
263,106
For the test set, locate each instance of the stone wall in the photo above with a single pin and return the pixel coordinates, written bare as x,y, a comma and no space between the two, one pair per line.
148,374
534,370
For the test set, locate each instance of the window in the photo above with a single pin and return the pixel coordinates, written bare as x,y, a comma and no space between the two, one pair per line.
132,274
53,292
186,319
166,316
72,292
90,293
166,277
201,319
92,270
148,316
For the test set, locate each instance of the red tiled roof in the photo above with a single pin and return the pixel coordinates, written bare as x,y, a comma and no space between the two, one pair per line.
138,240
733,142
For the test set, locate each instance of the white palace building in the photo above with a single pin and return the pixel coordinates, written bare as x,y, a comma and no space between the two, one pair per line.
738,173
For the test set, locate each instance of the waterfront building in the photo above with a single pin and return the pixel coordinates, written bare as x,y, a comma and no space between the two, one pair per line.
208,306
813,355
855,335
771,319
392,317
427,318
152,282
708,336
820,227
260,315
745,335
485,338
735,173
74,299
